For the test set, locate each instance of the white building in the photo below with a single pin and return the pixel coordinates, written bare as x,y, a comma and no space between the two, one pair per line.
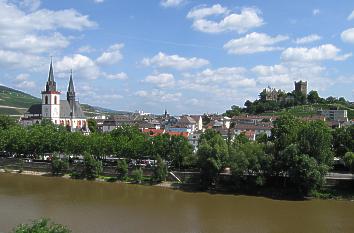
61,112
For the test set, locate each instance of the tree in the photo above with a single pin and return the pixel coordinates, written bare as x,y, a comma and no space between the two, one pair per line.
41,226
349,161
137,175
262,138
92,167
59,166
315,140
212,157
6,122
181,152
122,168
313,97
342,140
285,132
160,170
92,125
235,111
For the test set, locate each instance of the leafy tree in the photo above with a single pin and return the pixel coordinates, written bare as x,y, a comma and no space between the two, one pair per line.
41,226
92,167
181,152
59,166
349,160
285,132
122,168
212,157
160,170
241,138
343,140
313,97
235,111
315,140
262,138
6,122
137,175
92,125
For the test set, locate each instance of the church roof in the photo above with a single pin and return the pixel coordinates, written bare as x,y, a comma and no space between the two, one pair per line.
35,109
65,110
71,84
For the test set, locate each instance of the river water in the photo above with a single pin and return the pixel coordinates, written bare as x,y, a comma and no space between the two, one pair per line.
94,207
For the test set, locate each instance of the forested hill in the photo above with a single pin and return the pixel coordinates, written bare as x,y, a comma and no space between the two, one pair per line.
15,103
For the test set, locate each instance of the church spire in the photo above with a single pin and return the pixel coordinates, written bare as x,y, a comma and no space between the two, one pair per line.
51,85
70,95
71,83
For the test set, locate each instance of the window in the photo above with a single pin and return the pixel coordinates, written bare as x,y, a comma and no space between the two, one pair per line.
46,100
55,100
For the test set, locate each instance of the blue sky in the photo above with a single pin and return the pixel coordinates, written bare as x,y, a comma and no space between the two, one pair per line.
183,55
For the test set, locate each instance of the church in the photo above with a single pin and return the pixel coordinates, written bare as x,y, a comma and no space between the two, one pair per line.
66,112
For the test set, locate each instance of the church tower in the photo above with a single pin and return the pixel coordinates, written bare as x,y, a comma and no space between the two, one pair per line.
51,99
70,95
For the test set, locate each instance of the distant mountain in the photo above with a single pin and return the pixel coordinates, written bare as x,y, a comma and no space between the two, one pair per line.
15,103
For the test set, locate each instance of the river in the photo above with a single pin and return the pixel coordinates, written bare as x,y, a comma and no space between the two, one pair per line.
97,207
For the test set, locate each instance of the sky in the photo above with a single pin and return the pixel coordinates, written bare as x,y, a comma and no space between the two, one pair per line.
186,56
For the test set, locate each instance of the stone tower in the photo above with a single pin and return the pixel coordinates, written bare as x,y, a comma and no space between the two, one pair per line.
301,87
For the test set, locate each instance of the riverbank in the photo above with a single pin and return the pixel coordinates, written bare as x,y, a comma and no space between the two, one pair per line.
338,192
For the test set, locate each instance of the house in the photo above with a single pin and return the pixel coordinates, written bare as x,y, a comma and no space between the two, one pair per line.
199,121
336,115
257,129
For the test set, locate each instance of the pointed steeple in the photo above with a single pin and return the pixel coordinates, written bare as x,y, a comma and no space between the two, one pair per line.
71,83
70,95
51,85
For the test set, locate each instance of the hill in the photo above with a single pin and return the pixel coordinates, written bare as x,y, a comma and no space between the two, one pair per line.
15,103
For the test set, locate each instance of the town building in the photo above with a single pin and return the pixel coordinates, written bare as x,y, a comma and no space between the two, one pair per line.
66,112
336,115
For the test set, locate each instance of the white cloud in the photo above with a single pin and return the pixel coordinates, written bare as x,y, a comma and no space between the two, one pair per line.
247,19
162,80
22,81
86,49
11,59
159,95
98,1
117,76
82,66
308,39
348,35
112,56
316,12
269,70
171,3
315,54
351,16
35,32
254,43
174,61
30,5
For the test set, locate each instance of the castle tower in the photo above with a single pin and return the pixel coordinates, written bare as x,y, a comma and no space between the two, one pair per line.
51,99
301,87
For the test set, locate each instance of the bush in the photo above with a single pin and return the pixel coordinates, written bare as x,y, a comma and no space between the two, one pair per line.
137,175
41,226
59,166
92,167
122,169
160,171
349,161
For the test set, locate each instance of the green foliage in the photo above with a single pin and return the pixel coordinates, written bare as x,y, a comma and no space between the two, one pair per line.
122,169
234,111
343,140
212,157
313,97
160,170
41,226
6,122
349,160
262,138
59,166
137,175
92,167
92,125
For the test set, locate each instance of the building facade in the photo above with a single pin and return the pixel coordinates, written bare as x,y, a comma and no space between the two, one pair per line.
66,112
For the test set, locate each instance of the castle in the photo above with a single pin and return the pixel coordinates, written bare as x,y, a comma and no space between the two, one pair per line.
67,112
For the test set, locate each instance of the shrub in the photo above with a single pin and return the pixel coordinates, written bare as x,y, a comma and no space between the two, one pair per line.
137,175
122,169
41,226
